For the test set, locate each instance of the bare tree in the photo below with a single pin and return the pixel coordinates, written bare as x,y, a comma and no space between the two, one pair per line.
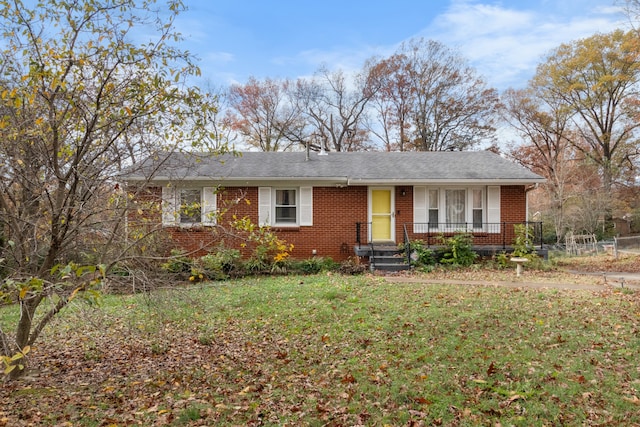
79,102
632,10
263,114
215,129
546,130
335,110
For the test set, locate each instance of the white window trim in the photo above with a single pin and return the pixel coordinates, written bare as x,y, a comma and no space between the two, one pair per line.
490,208
171,205
267,206
274,207
169,211
209,202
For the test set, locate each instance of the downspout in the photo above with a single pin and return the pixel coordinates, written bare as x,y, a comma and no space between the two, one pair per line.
526,201
526,198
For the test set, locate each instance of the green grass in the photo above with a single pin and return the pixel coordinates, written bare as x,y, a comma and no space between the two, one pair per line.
333,350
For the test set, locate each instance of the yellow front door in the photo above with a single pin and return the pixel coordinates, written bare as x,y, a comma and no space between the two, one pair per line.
381,215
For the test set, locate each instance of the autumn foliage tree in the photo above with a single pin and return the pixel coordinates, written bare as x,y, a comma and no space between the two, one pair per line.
262,113
429,99
392,103
544,126
424,97
596,80
79,101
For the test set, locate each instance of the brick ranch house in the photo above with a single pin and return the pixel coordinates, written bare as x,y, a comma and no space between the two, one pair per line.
340,203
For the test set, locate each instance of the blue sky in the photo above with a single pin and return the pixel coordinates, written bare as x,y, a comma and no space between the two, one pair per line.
503,40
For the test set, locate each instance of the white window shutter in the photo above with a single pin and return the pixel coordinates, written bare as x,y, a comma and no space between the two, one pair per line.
264,206
420,218
209,205
169,206
493,208
306,205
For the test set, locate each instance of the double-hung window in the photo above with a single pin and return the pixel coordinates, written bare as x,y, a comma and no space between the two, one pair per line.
285,207
189,206
434,211
477,208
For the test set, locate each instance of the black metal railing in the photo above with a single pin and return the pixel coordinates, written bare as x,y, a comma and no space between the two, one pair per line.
407,243
359,233
431,233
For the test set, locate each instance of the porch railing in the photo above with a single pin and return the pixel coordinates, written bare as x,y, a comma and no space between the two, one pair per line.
430,233
362,233
407,243
488,233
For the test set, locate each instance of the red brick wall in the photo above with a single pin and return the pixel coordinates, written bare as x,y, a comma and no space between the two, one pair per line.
513,203
513,208
404,210
333,234
335,213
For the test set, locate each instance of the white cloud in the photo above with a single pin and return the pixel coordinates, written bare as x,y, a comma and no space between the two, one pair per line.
504,40
463,20
505,45
220,57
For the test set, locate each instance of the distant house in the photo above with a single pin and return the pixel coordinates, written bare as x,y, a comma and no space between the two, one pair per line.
332,204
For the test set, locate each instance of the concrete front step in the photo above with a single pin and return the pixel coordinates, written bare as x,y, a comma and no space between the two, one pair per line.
390,267
388,258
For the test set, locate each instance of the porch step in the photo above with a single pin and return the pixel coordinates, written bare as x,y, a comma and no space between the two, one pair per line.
387,258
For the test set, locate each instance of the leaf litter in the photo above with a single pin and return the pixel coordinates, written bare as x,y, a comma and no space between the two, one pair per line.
337,351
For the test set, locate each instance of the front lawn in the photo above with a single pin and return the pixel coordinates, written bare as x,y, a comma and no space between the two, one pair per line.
336,350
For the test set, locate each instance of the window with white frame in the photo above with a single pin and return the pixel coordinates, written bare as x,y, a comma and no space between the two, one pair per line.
189,206
477,207
285,207
434,211
456,208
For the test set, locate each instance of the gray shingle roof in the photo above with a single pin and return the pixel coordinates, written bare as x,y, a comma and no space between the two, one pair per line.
349,168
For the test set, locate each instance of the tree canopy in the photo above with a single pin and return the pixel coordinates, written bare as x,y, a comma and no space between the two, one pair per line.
582,106
86,88
596,78
424,97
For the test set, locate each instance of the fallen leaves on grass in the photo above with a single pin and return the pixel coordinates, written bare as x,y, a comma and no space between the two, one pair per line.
628,263
337,351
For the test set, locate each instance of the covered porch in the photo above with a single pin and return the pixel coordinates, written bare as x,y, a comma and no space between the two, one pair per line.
497,234
488,238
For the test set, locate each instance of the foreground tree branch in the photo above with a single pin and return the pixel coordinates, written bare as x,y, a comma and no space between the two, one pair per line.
78,103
